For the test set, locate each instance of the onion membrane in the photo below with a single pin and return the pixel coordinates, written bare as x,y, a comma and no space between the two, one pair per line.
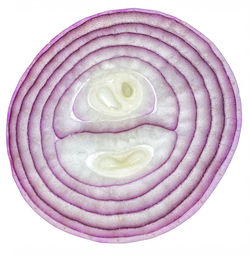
123,125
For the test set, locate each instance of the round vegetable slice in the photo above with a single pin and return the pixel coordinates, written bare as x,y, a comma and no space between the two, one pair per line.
123,125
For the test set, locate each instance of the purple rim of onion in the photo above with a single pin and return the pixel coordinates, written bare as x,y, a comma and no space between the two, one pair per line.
123,125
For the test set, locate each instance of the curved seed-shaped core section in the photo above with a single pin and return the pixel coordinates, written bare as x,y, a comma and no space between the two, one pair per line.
97,157
115,94
121,163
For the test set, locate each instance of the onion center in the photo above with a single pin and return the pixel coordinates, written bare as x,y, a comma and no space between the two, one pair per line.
115,94
120,163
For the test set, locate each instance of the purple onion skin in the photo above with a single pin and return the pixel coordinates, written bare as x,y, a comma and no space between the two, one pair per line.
73,226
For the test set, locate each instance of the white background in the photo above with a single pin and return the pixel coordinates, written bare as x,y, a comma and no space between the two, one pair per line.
222,225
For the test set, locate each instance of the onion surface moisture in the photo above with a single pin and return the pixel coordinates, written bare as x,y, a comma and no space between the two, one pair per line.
123,125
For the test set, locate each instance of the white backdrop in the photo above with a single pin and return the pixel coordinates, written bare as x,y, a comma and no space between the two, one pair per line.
222,225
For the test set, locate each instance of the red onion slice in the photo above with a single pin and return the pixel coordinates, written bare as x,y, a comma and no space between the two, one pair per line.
123,125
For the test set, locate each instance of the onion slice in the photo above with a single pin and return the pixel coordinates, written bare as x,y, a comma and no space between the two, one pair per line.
123,125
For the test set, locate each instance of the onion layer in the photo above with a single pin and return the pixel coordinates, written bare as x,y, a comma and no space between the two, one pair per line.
123,125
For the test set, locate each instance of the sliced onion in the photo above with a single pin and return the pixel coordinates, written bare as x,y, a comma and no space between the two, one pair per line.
123,125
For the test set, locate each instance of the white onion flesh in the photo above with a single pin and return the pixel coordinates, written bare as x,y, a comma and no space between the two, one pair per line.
80,154
123,125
